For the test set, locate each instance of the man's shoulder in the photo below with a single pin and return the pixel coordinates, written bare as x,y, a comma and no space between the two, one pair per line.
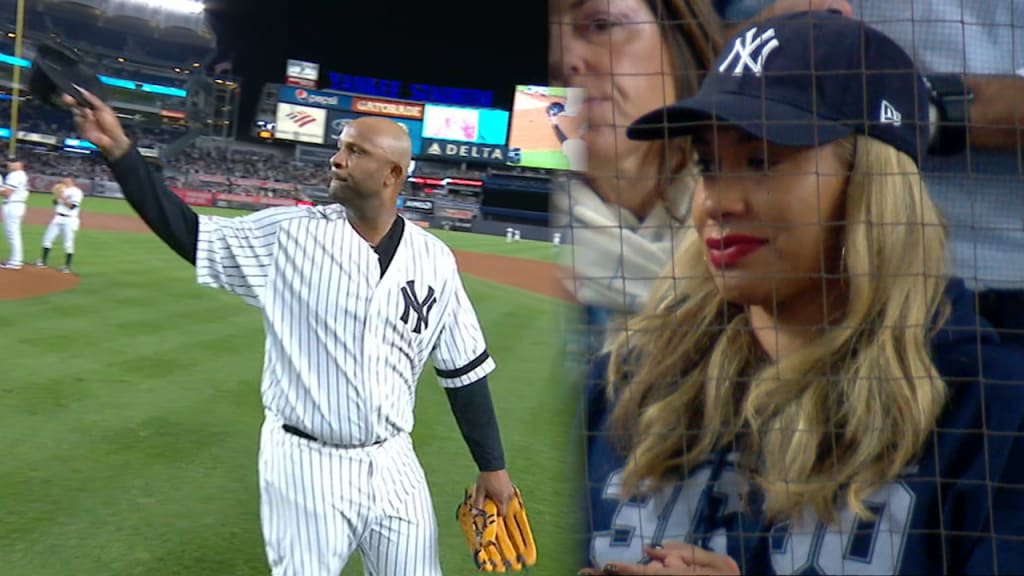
266,219
433,246
297,212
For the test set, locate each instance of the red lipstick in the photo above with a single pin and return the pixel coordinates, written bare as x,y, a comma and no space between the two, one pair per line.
727,251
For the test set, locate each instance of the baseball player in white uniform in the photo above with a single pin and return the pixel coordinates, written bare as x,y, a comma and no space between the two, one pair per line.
574,149
354,301
67,200
15,193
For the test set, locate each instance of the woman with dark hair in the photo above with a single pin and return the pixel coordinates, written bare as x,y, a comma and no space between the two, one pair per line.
621,215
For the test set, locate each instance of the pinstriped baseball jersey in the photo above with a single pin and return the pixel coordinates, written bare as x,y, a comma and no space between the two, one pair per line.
74,195
345,344
18,180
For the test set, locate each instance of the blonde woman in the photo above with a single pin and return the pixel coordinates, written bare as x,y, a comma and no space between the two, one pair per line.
814,394
623,213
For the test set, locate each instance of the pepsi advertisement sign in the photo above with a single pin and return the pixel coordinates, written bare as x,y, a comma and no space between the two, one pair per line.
336,122
316,98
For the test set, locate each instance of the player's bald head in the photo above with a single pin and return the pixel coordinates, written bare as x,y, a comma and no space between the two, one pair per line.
387,136
372,161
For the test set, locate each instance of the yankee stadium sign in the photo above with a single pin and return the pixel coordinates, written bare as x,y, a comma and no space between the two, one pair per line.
416,92
481,153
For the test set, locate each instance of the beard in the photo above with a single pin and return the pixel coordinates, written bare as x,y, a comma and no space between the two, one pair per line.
343,192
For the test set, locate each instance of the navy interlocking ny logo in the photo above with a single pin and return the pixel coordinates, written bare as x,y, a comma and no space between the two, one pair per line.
419,307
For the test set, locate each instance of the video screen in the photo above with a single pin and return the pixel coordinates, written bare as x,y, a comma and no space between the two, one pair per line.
337,120
547,129
473,125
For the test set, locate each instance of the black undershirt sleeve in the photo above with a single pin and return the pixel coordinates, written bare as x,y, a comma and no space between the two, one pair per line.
474,413
162,210
560,135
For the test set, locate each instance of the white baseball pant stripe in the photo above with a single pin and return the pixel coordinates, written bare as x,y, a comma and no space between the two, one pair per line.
65,226
320,504
14,212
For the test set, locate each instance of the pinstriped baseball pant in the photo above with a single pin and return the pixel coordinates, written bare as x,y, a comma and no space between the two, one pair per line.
318,505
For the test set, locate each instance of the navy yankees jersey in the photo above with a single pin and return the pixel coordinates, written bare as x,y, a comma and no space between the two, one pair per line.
958,510
345,344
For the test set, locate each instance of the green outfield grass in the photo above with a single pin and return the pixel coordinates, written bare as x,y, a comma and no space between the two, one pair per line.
130,413
457,240
556,91
550,159
533,250
117,206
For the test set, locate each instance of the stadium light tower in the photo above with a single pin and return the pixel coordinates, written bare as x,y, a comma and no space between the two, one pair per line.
19,31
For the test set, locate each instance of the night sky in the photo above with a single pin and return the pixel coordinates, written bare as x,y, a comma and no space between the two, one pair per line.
484,44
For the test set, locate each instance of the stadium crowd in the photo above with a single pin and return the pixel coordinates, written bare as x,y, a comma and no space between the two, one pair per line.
221,161
246,163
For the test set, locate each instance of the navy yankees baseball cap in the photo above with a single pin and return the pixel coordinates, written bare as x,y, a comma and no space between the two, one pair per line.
57,70
805,79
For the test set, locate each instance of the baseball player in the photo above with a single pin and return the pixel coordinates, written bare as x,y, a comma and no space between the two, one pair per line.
575,149
354,301
67,199
15,193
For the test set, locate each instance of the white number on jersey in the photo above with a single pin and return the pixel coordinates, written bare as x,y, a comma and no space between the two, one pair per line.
853,546
669,515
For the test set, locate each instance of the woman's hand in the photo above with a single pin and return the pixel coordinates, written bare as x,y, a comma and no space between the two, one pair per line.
676,558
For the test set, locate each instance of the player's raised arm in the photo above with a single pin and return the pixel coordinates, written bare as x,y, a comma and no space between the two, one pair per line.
162,210
229,253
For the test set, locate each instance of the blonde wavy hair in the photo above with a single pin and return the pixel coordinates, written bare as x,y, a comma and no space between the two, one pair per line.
842,415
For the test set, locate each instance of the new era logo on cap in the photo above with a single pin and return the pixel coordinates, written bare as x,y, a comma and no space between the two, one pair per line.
890,115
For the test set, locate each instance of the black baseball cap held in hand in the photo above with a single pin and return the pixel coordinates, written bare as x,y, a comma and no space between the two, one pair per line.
805,79
56,71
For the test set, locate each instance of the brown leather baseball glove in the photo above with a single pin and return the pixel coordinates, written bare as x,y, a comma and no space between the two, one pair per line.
497,544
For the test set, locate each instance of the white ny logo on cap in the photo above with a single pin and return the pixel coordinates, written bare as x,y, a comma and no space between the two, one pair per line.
746,48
